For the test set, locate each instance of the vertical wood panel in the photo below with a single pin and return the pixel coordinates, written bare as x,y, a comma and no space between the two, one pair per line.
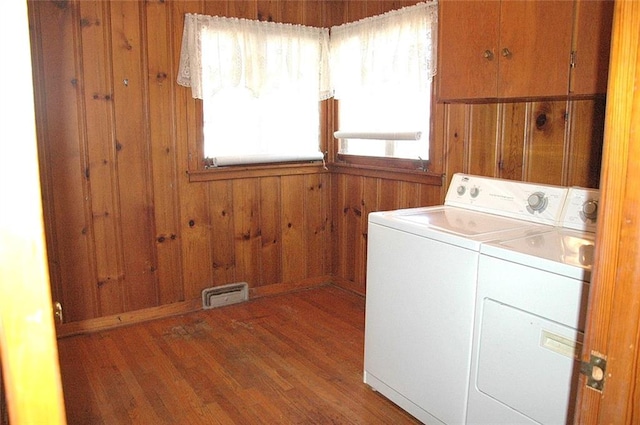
246,224
243,9
335,12
58,88
313,13
545,143
512,140
140,285
294,249
585,143
101,170
454,140
271,230
290,11
369,202
222,240
409,195
163,150
483,141
316,224
195,220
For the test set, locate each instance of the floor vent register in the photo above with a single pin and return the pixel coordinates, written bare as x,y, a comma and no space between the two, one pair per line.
219,296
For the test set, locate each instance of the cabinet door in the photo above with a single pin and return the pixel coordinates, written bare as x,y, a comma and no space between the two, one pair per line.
534,48
468,39
592,43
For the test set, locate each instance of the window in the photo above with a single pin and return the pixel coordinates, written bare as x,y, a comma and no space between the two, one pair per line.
382,71
261,83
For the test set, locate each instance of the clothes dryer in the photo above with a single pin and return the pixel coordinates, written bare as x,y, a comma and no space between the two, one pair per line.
529,320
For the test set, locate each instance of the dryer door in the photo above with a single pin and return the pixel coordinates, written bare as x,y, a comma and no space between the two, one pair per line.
528,363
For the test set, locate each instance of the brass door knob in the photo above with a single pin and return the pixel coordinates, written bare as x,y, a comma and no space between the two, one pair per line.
488,54
506,53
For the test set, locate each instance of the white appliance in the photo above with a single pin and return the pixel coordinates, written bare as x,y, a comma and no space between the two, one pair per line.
421,287
530,315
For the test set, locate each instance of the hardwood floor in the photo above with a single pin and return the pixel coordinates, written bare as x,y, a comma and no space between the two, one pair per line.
288,359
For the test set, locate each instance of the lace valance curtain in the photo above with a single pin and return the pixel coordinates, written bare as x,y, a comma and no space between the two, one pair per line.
393,50
220,53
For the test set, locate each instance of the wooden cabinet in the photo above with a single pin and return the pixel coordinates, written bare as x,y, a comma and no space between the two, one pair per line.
504,49
591,46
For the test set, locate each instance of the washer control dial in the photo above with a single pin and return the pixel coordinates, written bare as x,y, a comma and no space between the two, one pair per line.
474,192
589,210
537,202
461,190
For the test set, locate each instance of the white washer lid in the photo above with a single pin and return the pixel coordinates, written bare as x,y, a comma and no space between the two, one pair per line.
458,226
563,251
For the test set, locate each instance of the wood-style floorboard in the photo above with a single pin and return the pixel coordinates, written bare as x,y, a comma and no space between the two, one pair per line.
289,359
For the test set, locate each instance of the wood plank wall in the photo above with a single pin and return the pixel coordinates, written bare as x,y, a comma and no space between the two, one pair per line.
126,229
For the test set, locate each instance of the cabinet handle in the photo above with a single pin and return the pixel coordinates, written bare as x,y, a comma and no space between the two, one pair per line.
506,53
488,54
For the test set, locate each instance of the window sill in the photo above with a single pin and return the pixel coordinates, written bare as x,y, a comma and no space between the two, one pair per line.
413,176
252,171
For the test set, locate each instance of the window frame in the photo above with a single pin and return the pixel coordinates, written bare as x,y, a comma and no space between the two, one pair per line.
375,162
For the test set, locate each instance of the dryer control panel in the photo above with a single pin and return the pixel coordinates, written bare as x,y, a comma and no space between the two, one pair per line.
580,210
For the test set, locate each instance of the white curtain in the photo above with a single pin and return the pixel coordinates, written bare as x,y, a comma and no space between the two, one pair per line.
264,57
395,50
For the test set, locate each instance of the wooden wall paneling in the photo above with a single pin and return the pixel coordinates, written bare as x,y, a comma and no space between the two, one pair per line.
294,248
221,233
432,195
162,136
388,195
455,140
545,142
271,231
409,195
370,200
101,173
316,219
512,135
195,220
482,154
133,156
243,9
246,224
335,12
290,11
313,13
585,142
437,155
215,8
349,225
356,10
58,88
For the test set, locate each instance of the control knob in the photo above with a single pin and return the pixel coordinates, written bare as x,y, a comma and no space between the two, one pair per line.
461,190
589,210
474,192
537,202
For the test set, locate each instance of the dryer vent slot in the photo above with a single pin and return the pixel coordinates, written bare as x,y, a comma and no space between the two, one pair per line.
219,296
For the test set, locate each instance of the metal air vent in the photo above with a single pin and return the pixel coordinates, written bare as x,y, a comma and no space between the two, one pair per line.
218,296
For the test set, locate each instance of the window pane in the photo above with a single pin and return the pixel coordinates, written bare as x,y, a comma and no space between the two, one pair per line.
237,123
386,111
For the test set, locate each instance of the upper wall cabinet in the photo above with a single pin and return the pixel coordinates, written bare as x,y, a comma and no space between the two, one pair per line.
514,49
591,46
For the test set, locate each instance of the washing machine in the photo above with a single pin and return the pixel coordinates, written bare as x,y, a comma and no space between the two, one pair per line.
421,288
529,320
